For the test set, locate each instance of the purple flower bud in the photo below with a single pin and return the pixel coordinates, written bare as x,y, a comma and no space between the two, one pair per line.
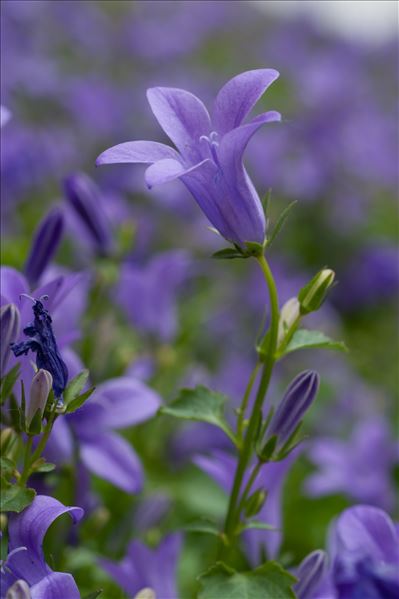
310,573
296,401
83,196
39,391
45,243
9,331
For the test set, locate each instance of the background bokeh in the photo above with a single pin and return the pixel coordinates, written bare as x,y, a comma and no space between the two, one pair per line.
74,75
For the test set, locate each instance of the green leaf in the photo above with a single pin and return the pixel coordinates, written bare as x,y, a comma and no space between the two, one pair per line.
75,386
204,526
8,382
7,467
228,254
14,498
257,525
42,466
304,339
280,222
201,405
269,581
76,403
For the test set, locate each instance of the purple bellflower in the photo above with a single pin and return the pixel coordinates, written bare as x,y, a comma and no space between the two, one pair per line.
5,116
360,467
146,568
43,343
44,245
310,573
209,155
26,562
9,330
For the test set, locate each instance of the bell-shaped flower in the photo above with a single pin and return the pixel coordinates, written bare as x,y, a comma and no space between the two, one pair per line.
26,561
9,331
148,568
208,157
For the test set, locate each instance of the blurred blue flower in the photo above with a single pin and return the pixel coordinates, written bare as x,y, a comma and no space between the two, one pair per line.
209,156
26,561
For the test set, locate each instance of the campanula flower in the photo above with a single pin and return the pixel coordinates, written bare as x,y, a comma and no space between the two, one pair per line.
42,342
44,245
144,567
39,391
5,116
208,157
309,574
26,561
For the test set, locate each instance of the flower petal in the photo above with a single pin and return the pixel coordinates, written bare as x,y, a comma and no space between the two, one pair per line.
238,96
182,116
136,151
168,170
54,586
28,529
112,458
12,284
126,401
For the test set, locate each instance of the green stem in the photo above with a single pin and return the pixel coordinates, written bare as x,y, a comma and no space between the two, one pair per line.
39,449
244,404
245,453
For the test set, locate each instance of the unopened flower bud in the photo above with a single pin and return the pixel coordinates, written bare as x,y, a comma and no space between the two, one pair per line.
297,399
255,502
8,439
45,243
310,573
9,331
314,293
19,590
289,314
39,391
83,195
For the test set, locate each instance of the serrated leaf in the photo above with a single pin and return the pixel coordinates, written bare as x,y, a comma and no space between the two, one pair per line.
304,339
14,498
8,382
269,581
280,222
228,254
76,403
75,386
204,526
201,405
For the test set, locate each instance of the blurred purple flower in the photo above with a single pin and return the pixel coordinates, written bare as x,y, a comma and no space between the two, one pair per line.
310,573
26,559
361,467
209,157
9,331
45,243
116,404
5,116
148,568
82,195
221,467
148,295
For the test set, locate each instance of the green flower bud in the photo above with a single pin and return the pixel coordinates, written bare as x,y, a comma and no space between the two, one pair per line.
255,502
289,315
314,293
40,388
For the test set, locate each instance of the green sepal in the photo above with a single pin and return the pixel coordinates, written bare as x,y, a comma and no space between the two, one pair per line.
93,595
14,498
7,382
269,581
201,405
255,502
280,223
305,339
291,443
266,201
75,386
253,248
265,453
76,403
35,426
228,254
16,415
256,525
